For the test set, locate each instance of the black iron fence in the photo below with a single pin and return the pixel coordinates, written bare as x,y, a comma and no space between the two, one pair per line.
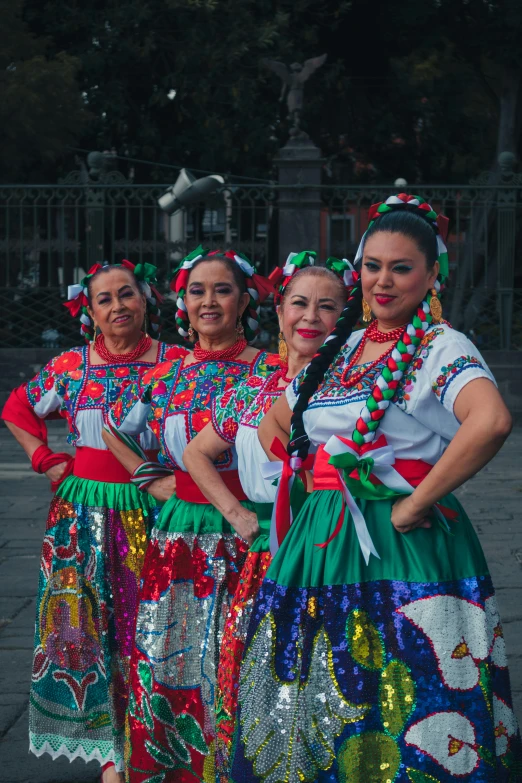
50,236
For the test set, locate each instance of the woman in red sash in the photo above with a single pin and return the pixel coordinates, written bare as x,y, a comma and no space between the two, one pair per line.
195,553
98,523
375,651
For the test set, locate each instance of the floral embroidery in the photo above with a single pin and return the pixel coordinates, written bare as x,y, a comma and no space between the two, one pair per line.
451,371
175,390
409,378
69,384
245,404
229,429
94,390
70,360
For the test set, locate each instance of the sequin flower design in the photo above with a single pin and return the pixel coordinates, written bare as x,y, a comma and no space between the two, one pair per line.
449,739
316,701
457,625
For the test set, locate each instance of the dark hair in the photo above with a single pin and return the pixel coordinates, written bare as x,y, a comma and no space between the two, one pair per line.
233,268
235,271
405,221
109,268
315,271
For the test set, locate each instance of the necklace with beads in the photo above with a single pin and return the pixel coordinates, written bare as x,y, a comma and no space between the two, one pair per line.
374,334
276,376
351,377
144,344
226,355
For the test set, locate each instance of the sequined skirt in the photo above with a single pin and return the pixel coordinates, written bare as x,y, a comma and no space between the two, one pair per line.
190,574
251,578
92,555
395,671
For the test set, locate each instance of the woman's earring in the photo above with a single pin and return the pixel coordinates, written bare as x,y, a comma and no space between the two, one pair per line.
94,330
367,312
283,348
144,328
435,307
240,329
191,333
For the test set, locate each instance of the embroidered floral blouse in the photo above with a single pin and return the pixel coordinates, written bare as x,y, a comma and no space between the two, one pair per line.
420,423
175,402
83,393
236,415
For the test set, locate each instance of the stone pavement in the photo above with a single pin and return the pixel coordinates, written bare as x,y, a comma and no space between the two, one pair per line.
492,500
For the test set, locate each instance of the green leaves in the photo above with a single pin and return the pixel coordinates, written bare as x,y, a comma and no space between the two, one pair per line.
159,754
371,757
162,709
364,641
145,676
178,746
396,696
147,715
190,730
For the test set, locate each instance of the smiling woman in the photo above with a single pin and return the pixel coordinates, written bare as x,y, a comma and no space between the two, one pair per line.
375,650
194,555
308,307
98,522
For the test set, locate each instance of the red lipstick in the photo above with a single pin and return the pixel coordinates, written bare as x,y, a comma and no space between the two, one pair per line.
309,334
384,299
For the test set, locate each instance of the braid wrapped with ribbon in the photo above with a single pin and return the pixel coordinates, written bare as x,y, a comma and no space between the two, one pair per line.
256,285
145,274
385,386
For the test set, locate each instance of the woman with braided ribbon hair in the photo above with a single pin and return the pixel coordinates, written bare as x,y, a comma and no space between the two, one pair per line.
193,559
310,300
98,521
375,649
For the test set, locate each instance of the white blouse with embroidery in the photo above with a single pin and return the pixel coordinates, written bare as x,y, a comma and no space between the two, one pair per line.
420,422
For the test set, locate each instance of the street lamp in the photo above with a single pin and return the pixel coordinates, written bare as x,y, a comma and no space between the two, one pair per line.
188,190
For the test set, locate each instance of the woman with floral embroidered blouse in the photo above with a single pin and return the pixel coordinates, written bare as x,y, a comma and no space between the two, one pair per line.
310,300
98,521
375,649
194,555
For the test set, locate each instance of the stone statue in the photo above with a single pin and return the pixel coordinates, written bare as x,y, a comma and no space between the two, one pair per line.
293,80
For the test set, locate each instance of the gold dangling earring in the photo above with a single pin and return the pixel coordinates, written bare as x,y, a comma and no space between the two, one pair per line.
144,328
95,329
191,333
435,307
367,312
283,348
240,329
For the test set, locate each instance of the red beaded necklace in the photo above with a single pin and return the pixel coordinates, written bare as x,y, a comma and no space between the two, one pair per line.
273,382
144,344
226,355
374,334
349,378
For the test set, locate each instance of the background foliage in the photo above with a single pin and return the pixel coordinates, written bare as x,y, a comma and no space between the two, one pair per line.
428,91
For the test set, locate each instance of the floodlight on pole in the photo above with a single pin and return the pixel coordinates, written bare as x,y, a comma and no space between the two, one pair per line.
188,190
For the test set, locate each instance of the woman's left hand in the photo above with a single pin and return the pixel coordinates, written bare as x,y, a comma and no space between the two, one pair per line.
405,517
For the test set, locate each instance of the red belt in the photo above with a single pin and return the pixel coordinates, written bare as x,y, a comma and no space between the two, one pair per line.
187,489
326,477
102,465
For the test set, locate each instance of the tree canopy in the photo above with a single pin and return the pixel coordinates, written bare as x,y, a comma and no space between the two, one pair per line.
427,91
